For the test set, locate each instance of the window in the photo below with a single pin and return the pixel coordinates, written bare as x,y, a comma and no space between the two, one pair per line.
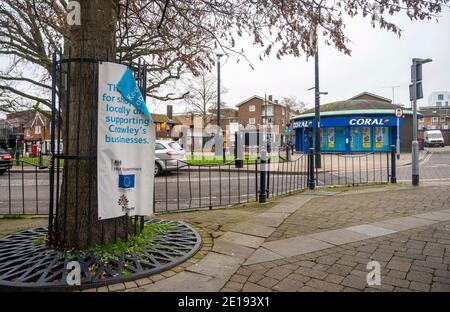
268,110
37,130
158,126
251,108
442,119
27,132
438,104
440,97
446,103
435,119
251,121
175,146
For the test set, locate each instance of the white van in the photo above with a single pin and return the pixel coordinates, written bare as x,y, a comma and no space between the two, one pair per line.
434,138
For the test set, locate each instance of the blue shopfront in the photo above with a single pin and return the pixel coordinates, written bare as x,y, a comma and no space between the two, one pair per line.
347,134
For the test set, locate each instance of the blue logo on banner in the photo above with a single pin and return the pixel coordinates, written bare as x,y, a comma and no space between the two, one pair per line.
126,181
129,89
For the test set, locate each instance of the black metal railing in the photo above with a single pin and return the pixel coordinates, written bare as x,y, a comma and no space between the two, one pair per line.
182,185
24,190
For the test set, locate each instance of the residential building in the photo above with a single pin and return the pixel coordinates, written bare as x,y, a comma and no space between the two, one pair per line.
11,129
258,111
255,111
439,99
435,118
166,125
37,131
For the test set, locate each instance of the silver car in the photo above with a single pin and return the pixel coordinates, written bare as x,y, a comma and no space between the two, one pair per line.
169,155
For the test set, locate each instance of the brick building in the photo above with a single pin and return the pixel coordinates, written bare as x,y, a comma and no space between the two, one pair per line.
12,129
435,118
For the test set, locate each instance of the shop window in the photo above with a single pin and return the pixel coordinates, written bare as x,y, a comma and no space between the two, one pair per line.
381,137
331,138
366,143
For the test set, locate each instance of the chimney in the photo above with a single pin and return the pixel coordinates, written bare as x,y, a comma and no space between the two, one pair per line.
169,111
270,98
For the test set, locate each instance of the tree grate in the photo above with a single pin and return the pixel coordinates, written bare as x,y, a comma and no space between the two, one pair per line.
28,266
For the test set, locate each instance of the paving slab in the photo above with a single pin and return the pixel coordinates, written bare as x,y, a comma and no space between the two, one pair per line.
285,207
187,282
434,215
241,239
291,204
370,230
410,222
272,219
253,228
339,237
296,246
232,249
390,226
216,265
262,255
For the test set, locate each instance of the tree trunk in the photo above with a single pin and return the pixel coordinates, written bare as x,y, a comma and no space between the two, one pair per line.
77,224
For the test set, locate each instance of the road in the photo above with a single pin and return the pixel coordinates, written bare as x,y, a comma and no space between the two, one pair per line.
193,188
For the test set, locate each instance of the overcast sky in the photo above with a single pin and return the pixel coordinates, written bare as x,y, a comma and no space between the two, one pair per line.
379,60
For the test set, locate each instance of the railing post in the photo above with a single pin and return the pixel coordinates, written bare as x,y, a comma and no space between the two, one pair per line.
262,186
311,183
238,150
393,164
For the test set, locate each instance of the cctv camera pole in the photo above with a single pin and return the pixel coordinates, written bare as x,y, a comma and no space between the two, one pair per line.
416,93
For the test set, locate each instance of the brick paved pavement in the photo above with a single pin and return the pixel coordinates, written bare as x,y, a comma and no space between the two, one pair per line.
326,213
413,260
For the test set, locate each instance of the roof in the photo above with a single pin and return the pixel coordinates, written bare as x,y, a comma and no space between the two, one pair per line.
353,107
435,111
257,97
159,118
375,96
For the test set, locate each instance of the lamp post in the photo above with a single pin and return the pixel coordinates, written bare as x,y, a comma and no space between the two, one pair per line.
415,92
219,139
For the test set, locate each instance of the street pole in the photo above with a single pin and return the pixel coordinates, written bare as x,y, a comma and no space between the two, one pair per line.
416,77
397,144
398,139
219,141
415,144
317,107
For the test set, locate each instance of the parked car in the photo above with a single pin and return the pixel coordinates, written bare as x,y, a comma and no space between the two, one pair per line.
5,161
434,138
169,155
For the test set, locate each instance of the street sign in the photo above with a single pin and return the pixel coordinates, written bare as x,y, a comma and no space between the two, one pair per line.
417,93
399,112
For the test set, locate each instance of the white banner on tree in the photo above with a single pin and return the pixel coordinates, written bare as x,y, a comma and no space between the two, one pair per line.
126,146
